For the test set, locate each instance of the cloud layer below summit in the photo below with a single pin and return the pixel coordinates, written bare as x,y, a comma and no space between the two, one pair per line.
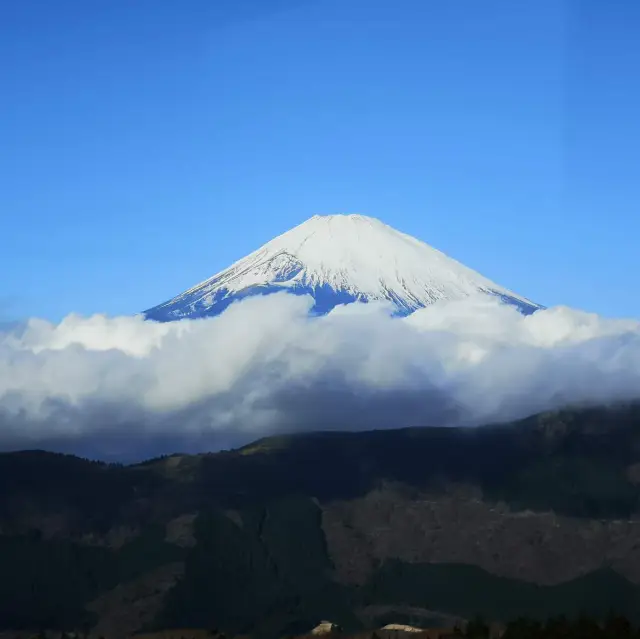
128,388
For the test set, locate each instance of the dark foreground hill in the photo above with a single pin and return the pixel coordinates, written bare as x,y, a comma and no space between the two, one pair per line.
422,526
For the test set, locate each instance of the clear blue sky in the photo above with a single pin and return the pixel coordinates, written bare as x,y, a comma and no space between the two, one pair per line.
146,144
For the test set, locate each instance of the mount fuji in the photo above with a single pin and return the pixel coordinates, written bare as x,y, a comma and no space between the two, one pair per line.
338,259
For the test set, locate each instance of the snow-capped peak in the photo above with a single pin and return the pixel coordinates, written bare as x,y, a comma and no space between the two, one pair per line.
338,259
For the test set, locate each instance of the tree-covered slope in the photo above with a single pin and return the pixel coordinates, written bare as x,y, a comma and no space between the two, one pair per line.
536,517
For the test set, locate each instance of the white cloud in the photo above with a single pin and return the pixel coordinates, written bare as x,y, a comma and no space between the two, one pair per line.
264,365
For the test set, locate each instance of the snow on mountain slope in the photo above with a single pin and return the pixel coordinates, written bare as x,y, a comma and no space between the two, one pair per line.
339,259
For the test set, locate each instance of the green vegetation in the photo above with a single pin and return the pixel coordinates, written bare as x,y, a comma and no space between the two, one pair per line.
574,463
560,627
269,570
466,590
48,583
260,563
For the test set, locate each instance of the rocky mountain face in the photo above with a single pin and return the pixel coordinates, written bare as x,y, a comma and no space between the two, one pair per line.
420,526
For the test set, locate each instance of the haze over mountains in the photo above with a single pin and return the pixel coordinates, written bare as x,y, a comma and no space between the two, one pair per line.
338,259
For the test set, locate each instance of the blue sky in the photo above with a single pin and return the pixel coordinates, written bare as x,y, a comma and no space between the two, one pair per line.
148,144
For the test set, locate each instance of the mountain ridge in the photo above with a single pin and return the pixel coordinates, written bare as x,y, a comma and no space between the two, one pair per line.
339,259
267,540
